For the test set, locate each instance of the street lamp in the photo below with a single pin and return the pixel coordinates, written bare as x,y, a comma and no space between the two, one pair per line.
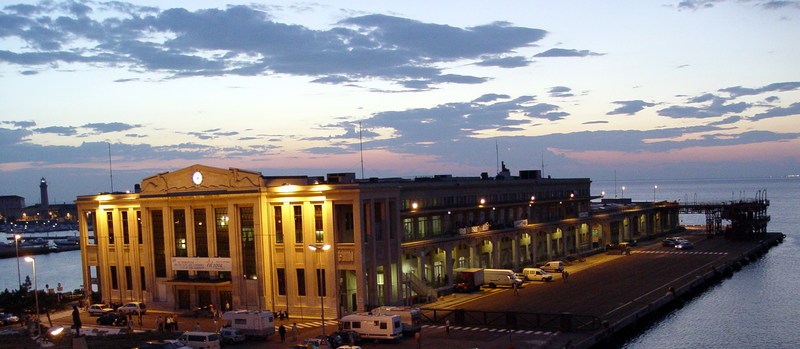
654,192
623,192
319,248
17,237
35,290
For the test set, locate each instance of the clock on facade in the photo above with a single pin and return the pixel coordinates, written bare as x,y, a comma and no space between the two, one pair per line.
197,177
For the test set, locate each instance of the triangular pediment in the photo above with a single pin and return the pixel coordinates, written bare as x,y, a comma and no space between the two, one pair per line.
201,178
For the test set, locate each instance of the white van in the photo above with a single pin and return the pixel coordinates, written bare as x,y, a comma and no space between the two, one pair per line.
252,323
553,266
373,326
411,318
536,274
200,340
500,277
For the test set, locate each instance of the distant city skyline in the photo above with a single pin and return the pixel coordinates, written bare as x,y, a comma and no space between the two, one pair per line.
646,89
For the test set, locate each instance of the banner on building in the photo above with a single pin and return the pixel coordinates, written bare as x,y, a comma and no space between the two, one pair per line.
201,264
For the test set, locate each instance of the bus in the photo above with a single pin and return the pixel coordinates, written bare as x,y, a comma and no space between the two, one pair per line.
411,318
373,326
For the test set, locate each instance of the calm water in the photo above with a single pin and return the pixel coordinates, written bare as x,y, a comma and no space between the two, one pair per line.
757,308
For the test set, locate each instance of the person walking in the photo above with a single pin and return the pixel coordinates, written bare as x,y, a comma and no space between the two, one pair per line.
516,288
282,332
565,275
76,320
447,327
294,331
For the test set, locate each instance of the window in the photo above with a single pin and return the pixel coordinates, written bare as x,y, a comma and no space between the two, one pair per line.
90,224
159,252
281,276
110,226
278,224
142,278
343,222
436,225
113,275
125,231
319,233
248,241
221,222
357,324
408,229
383,325
321,283
179,227
200,233
128,278
301,282
139,232
422,227
298,224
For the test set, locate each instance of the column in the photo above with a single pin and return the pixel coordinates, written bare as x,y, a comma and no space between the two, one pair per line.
514,247
448,263
578,232
421,265
472,263
494,258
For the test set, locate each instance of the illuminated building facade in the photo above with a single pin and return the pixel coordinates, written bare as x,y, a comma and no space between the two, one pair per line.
203,235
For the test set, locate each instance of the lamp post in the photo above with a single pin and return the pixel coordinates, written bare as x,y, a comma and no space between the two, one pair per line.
35,289
623,192
654,192
319,248
17,237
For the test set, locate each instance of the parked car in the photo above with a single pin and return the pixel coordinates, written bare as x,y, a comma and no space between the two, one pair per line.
684,245
350,337
98,309
112,319
6,319
668,243
158,345
536,274
229,335
553,266
135,308
178,344
317,343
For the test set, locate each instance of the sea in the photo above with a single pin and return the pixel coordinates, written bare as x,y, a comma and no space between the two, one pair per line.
758,307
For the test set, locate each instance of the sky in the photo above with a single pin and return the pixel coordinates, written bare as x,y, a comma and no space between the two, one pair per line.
97,95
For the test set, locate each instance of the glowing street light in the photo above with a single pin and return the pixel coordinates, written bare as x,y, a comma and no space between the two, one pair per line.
35,289
623,192
319,248
654,192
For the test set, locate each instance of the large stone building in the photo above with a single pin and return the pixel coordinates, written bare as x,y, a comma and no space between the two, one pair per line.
203,235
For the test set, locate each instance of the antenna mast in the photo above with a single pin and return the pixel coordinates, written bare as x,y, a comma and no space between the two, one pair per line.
497,156
110,169
361,146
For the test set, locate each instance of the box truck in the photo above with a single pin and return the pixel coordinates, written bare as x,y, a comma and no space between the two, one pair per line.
467,279
500,277
252,323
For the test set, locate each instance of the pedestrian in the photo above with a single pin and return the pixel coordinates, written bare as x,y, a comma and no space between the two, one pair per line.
516,289
160,324
447,327
294,331
197,327
168,323
76,320
565,275
140,318
282,332
417,338
227,306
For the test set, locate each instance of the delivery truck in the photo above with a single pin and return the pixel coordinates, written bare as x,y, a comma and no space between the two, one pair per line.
500,277
467,279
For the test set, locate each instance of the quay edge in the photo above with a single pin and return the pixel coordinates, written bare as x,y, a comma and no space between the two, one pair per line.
674,297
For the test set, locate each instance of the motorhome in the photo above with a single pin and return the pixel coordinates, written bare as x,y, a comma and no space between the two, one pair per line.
500,277
373,326
252,323
410,318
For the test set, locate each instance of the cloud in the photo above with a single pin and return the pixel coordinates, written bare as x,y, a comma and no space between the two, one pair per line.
107,127
792,110
489,97
560,91
20,124
505,62
738,91
560,52
595,122
247,41
59,130
630,107
726,121
716,108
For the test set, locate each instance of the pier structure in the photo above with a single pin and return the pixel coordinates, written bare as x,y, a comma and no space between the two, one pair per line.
748,218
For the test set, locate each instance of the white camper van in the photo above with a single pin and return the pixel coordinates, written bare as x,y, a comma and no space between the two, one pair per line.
373,326
252,323
500,277
411,318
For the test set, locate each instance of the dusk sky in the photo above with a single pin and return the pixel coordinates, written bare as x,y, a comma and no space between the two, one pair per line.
640,89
